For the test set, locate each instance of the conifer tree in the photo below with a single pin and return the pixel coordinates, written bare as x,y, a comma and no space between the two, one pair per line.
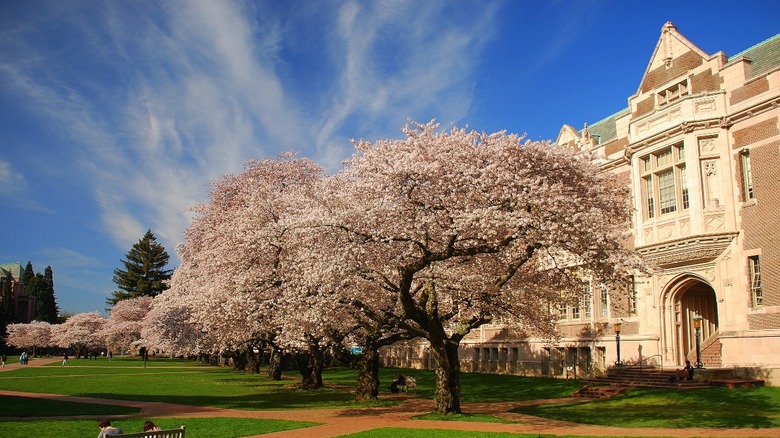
45,302
27,278
144,272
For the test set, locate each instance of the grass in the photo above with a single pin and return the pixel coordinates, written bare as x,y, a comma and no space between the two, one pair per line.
196,427
474,387
191,385
11,406
195,384
660,408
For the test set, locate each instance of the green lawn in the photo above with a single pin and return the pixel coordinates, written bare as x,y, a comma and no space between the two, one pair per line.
712,407
196,427
191,383
35,407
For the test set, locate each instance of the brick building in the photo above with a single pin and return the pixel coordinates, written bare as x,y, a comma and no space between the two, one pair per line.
24,303
699,145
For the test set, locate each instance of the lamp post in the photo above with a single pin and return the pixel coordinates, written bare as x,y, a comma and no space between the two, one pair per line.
618,362
697,325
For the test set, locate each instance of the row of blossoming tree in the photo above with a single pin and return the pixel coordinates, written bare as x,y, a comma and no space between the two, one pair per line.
85,333
427,237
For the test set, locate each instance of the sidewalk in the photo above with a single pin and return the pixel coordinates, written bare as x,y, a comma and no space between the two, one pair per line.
339,422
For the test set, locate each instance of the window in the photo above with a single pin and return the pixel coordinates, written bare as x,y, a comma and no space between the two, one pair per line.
575,311
664,180
673,93
754,264
632,295
587,302
604,301
747,176
562,311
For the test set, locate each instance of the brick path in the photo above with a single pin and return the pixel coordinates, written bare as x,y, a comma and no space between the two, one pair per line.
338,422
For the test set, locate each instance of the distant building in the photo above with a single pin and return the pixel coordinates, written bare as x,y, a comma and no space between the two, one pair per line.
24,302
699,146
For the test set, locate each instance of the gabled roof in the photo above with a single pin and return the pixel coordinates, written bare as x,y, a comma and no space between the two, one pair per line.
671,45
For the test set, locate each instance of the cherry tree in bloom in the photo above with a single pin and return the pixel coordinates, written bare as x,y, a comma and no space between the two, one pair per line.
167,327
235,257
79,332
448,231
125,322
35,335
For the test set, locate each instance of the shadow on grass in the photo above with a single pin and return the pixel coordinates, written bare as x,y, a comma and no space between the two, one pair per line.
269,400
663,408
475,387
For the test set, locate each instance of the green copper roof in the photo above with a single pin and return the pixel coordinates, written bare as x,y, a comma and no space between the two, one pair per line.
606,128
14,268
765,55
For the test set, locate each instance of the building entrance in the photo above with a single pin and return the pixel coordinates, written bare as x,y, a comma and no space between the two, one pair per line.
689,298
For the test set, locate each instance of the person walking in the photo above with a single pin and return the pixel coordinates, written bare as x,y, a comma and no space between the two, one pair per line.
65,359
4,359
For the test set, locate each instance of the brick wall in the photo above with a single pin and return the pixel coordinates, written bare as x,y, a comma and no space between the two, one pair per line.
705,81
755,133
615,146
680,65
750,90
761,224
644,107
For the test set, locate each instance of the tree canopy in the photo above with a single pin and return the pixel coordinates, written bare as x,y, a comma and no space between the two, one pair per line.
430,236
144,272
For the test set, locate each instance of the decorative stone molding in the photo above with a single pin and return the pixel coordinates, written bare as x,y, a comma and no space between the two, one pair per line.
698,249
705,105
707,145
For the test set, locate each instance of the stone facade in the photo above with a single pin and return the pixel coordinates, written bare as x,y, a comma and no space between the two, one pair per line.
699,146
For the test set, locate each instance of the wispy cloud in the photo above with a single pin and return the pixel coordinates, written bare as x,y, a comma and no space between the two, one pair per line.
179,93
10,180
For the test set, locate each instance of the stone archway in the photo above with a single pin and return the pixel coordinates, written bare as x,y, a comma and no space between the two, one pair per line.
688,296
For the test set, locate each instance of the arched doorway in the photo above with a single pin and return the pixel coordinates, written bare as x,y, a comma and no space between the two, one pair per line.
688,297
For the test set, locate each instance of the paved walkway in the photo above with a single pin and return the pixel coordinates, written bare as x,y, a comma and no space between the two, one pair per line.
338,422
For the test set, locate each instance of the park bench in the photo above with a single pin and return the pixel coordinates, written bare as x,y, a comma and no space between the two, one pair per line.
168,433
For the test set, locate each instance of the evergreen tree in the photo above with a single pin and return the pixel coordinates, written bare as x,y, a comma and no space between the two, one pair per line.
144,272
45,302
27,278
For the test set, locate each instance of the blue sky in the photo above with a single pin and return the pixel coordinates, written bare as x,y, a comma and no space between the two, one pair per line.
116,115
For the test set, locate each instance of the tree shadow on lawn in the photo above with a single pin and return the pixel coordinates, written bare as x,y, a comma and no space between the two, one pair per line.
663,408
268,400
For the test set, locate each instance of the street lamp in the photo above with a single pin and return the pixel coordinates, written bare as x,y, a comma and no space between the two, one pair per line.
618,363
697,325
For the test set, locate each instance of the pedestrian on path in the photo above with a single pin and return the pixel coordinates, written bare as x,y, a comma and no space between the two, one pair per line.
4,359
65,359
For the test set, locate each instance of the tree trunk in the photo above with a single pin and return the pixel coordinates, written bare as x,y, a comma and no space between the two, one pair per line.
240,360
305,364
275,364
253,362
447,396
367,387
